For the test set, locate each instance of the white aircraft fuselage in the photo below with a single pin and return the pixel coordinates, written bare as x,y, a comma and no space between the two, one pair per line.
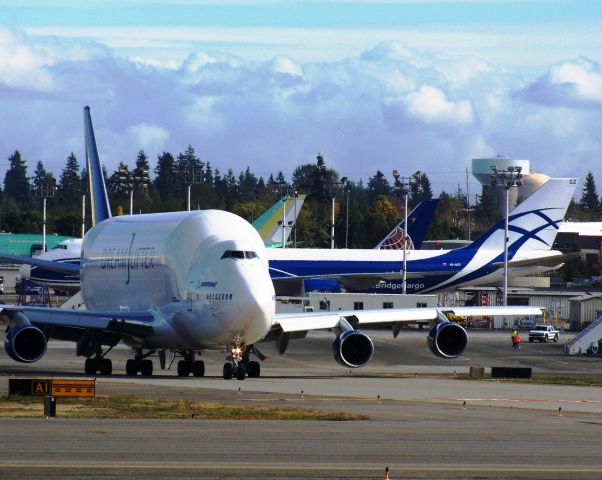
203,273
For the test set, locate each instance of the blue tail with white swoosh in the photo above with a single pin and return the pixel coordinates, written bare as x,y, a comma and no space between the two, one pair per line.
99,199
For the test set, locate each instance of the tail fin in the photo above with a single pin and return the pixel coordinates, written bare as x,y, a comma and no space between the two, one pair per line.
269,224
418,222
99,200
533,224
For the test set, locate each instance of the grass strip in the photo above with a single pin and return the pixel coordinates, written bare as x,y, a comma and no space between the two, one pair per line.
543,380
152,408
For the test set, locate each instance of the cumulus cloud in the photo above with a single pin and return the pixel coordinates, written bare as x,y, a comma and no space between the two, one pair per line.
572,83
149,137
430,105
381,109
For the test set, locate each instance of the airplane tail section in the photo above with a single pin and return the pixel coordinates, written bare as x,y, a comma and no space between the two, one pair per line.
418,222
269,224
98,190
533,224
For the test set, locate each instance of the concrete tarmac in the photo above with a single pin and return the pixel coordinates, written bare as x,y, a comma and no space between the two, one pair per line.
427,423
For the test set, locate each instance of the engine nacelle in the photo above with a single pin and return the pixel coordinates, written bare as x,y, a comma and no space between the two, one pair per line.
25,343
447,340
353,348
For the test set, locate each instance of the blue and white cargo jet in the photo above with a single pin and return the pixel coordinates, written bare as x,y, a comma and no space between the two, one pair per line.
533,225
184,282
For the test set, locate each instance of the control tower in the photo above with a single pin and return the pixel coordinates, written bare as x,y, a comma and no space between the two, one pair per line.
531,181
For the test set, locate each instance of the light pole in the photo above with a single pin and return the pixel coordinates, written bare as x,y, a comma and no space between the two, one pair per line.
345,183
128,181
404,183
190,175
511,177
296,197
45,190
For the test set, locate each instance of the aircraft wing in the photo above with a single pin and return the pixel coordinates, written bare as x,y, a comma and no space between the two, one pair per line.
57,266
548,261
303,322
137,324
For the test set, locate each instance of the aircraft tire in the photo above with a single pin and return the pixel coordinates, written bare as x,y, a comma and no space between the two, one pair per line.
146,368
254,369
131,368
241,371
183,368
198,368
228,371
90,366
106,366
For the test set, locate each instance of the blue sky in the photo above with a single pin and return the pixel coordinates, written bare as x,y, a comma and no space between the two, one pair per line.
400,85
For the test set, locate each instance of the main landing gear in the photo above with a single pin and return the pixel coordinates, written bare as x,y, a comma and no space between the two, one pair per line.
238,364
99,364
190,365
139,364
95,365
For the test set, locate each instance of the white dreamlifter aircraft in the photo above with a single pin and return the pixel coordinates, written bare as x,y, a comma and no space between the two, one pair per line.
185,282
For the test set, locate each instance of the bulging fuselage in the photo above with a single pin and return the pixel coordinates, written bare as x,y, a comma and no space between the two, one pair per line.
203,274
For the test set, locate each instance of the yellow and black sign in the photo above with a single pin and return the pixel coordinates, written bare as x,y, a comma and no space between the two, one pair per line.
58,387
41,387
73,388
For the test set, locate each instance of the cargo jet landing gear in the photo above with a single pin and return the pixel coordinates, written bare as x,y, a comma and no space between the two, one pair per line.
190,365
238,364
99,364
139,364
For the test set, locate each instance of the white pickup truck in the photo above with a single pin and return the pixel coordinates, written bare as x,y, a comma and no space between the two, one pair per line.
543,333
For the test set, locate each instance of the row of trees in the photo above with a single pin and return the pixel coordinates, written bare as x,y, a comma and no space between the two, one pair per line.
372,209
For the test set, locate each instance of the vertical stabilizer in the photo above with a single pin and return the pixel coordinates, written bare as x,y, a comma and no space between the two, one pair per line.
98,190
533,224
418,222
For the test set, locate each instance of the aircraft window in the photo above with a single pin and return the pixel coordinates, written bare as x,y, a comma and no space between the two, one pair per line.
239,254
60,247
233,254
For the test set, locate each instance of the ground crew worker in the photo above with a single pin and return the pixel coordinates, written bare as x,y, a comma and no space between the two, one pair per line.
513,335
517,341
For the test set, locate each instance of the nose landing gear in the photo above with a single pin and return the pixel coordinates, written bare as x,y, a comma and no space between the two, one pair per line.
235,366
238,363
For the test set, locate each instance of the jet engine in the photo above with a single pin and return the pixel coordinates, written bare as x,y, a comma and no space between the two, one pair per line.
447,340
352,348
25,343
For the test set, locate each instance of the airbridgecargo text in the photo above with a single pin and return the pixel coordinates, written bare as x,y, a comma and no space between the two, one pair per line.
399,286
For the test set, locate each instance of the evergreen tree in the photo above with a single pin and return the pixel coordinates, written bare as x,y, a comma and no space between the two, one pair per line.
247,185
70,187
141,183
16,184
420,189
378,185
190,167
166,182
590,202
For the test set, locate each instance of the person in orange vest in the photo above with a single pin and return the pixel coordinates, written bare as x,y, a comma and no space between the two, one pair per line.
517,341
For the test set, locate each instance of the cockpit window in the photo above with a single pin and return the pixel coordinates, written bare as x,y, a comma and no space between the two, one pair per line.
58,246
239,254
